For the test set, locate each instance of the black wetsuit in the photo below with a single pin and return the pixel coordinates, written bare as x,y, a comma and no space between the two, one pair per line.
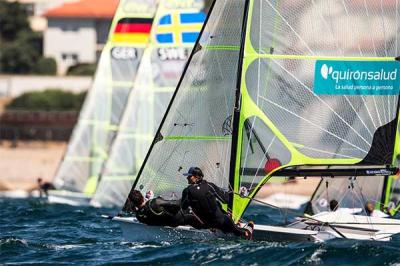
163,212
45,187
203,199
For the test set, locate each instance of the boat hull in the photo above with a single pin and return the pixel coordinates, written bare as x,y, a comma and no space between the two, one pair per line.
19,194
313,229
349,226
285,201
133,231
68,197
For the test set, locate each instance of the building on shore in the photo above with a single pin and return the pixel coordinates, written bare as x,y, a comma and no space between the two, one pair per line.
77,31
35,10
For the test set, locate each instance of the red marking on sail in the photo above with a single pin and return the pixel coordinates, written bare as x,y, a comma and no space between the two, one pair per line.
132,28
271,165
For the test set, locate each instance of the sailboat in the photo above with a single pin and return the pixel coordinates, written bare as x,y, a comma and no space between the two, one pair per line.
353,193
283,88
76,178
174,32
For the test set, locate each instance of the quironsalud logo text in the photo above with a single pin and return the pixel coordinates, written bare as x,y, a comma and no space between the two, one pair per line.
349,74
356,77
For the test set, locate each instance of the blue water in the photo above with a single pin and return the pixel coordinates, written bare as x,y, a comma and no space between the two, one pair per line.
38,233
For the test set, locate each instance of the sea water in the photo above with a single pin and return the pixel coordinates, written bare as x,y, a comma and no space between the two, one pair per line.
34,232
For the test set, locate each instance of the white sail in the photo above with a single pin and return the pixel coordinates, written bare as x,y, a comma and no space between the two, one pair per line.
159,72
197,127
106,100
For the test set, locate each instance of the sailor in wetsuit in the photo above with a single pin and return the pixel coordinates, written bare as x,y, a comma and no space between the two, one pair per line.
204,199
44,187
160,212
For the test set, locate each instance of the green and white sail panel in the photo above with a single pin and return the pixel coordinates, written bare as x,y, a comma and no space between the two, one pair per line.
174,33
106,100
196,130
319,86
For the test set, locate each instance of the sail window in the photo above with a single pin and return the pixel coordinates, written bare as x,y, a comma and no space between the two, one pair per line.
261,153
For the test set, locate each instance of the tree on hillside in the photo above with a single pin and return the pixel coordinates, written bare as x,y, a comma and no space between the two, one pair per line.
13,19
20,47
19,57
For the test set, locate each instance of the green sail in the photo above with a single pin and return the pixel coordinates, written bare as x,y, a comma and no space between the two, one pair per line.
106,99
294,125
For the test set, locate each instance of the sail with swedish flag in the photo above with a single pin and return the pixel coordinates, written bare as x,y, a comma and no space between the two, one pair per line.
159,71
261,97
101,113
179,27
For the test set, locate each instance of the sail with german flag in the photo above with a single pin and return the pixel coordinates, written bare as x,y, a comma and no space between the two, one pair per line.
133,30
158,74
106,100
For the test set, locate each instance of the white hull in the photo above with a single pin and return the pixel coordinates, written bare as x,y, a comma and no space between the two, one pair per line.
133,231
54,196
313,229
348,226
285,201
68,197
19,194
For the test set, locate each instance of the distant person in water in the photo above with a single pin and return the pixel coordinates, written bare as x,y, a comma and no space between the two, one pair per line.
204,200
44,187
160,212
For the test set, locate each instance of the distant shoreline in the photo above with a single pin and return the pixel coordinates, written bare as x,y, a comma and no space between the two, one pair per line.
20,167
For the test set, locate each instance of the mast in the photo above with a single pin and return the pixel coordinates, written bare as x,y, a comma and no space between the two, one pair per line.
237,107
